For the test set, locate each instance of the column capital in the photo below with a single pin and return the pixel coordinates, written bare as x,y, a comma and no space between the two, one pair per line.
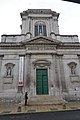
59,56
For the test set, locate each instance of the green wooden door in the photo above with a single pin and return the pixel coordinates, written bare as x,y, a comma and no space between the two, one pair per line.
41,81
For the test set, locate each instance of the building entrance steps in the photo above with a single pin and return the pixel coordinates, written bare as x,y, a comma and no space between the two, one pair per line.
45,99
21,108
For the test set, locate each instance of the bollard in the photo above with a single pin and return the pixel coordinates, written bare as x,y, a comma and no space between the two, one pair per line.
64,106
19,109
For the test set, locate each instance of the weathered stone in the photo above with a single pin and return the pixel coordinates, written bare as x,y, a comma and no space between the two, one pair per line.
45,49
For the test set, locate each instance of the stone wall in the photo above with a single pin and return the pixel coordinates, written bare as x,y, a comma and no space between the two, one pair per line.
9,80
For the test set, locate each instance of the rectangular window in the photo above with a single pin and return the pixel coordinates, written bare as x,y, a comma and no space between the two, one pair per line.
40,30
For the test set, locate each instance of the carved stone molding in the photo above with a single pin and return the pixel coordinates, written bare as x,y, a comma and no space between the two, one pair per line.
7,80
41,48
41,63
74,78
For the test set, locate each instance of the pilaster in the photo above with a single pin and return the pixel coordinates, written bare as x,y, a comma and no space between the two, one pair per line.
79,62
0,65
53,69
27,72
53,79
23,26
1,58
62,84
51,26
79,58
48,27
31,26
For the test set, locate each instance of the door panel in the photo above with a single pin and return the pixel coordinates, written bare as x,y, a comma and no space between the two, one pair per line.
41,81
45,84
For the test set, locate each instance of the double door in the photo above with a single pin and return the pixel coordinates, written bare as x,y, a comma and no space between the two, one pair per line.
41,81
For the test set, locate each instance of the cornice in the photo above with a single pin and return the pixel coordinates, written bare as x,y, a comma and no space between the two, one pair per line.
54,44
11,45
8,45
13,35
66,35
39,11
69,46
40,53
41,40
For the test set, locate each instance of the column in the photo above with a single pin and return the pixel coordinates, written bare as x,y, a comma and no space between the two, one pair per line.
55,77
28,24
52,76
79,63
51,25
23,30
1,80
62,84
0,65
79,58
56,28
27,72
56,80
1,57
53,69
48,29
31,26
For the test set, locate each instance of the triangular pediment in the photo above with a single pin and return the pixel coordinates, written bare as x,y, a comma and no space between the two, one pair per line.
41,40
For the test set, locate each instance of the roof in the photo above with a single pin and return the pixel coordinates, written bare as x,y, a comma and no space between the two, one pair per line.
39,11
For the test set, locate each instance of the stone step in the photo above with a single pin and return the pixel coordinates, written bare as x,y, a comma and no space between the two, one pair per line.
46,99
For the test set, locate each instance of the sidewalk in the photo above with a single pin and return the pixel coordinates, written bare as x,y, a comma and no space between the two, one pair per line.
20,108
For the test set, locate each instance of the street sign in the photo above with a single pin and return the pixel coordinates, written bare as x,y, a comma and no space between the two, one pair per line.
20,83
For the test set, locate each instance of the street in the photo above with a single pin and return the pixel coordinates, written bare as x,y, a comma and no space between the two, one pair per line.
62,115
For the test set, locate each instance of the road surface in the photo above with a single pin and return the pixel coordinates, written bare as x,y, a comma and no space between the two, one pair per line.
66,115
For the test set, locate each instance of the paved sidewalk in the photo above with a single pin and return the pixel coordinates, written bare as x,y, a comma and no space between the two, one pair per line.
20,108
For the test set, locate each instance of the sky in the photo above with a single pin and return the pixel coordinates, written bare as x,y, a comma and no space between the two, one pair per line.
10,20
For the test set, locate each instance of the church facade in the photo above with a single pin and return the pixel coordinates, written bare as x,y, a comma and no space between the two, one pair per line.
40,61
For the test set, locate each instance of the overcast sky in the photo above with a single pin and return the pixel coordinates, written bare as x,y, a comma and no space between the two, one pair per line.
10,20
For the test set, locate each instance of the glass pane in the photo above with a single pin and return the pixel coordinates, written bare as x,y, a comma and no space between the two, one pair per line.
36,30
44,30
40,29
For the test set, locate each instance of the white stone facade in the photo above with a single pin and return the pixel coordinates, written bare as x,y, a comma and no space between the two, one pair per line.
40,47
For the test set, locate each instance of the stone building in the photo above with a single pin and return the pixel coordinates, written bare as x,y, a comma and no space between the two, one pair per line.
40,60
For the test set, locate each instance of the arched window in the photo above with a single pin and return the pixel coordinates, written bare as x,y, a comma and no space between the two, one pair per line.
40,29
